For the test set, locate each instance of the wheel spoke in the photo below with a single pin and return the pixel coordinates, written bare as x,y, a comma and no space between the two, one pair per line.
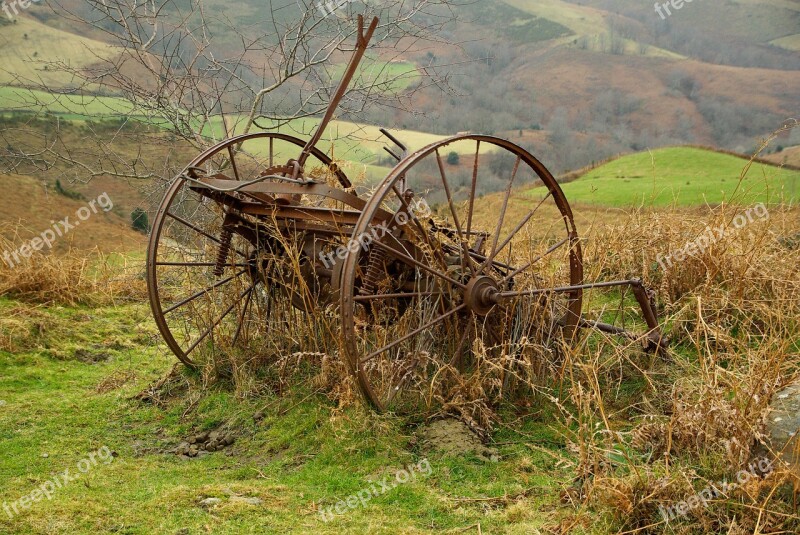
529,264
512,234
466,261
472,188
394,296
505,206
203,292
214,325
413,333
179,219
407,259
423,233
563,289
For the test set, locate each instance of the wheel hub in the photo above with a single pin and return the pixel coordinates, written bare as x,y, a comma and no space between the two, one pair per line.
480,294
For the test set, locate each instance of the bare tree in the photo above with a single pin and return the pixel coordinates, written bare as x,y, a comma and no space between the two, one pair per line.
200,75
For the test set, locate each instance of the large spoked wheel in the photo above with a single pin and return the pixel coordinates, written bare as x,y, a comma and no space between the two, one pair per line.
468,266
222,279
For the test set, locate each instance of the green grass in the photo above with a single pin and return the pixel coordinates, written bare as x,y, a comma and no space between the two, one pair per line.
514,23
681,176
392,76
26,100
305,453
354,142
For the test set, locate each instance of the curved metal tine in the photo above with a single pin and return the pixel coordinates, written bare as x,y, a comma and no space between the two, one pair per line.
456,361
244,313
233,163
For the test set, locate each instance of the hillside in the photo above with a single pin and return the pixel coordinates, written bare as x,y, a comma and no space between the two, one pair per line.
35,207
789,155
31,51
582,80
681,176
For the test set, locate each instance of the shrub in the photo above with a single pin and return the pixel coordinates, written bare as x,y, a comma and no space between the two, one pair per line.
140,221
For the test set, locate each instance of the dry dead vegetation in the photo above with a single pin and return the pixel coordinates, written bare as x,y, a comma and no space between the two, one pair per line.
76,277
642,431
732,315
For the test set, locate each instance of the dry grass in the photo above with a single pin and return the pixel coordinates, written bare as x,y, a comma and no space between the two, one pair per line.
73,278
732,313
644,432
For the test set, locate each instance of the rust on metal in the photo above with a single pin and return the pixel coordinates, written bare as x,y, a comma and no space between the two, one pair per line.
401,282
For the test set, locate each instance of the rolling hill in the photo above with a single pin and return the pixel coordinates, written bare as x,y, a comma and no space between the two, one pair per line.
682,176
35,206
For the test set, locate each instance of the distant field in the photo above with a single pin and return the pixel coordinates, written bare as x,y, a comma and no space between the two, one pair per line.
18,99
396,75
352,141
792,42
680,176
27,45
515,23
789,155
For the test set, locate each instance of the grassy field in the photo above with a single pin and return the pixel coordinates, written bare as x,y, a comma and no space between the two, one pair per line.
28,45
35,205
354,142
76,106
70,389
680,176
791,42
392,76
81,382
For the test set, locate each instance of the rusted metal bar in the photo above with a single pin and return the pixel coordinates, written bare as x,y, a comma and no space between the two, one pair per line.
358,55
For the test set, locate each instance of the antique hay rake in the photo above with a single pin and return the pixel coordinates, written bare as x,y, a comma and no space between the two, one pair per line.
262,243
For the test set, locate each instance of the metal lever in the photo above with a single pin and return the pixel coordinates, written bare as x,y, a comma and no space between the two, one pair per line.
401,156
401,146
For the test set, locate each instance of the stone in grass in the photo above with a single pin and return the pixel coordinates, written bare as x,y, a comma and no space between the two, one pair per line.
783,425
209,502
249,500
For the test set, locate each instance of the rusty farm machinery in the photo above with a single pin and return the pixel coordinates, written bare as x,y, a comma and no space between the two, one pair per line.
264,234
